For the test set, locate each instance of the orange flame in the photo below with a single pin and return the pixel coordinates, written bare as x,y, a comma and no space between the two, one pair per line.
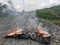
43,33
14,32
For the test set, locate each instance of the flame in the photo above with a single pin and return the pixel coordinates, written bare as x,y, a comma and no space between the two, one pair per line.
14,32
43,33
19,31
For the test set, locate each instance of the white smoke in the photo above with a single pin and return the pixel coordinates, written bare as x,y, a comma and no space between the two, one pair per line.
25,20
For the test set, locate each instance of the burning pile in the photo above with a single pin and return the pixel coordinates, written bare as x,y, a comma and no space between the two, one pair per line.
30,28
20,33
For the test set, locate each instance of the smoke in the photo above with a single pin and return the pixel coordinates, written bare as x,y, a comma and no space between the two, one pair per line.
27,19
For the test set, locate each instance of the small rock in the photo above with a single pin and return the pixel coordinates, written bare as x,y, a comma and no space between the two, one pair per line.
56,41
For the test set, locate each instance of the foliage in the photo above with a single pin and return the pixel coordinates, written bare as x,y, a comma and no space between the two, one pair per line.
3,10
50,14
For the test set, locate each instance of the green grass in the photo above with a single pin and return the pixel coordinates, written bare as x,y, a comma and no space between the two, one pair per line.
57,22
8,18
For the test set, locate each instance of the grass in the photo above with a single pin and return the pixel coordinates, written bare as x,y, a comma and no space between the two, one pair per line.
57,22
8,18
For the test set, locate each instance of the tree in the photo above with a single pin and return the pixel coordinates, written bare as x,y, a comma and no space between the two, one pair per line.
3,11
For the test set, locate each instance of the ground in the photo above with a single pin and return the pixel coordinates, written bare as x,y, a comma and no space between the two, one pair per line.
7,26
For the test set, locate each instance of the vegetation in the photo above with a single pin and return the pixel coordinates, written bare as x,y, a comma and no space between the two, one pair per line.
7,19
3,10
52,14
4,15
